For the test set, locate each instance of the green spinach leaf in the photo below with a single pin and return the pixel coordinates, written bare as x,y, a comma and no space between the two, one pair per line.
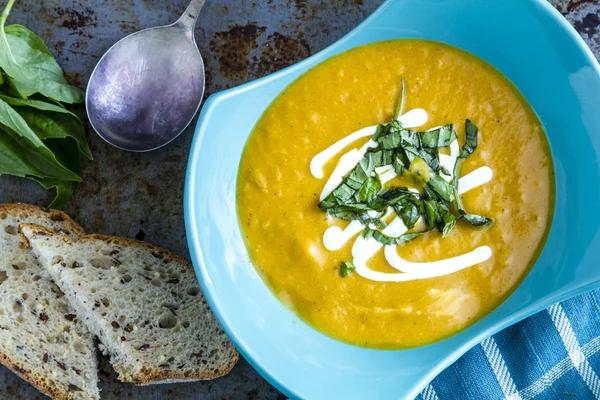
67,152
29,64
21,158
39,138
48,125
15,124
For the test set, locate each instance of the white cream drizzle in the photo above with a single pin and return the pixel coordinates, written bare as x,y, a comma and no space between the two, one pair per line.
363,249
426,270
335,237
441,267
412,119
473,179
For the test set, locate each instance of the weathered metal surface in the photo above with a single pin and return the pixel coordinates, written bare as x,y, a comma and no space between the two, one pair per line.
140,195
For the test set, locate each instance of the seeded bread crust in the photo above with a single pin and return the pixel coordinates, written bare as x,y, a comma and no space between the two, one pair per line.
41,379
68,225
153,371
51,391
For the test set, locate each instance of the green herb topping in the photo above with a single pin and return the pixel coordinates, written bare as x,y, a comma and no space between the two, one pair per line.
346,268
362,197
39,138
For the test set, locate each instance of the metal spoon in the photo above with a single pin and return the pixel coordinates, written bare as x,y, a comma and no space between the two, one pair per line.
147,88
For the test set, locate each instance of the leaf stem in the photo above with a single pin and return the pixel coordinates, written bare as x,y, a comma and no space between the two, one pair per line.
400,105
5,12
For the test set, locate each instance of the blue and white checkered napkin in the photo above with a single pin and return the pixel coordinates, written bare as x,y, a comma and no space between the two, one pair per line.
552,355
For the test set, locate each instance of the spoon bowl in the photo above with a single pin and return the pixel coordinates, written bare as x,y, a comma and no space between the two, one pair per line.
148,87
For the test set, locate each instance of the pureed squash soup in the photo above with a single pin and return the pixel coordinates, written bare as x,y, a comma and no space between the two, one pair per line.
396,193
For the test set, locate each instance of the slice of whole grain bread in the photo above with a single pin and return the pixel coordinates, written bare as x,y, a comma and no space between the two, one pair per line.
144,303
41,337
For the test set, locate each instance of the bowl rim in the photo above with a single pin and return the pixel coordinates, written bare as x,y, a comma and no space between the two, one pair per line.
196,250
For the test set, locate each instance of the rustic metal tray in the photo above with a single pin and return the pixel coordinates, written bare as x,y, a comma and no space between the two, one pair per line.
140,195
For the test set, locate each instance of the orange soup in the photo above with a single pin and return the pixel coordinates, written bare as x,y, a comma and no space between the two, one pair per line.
342,170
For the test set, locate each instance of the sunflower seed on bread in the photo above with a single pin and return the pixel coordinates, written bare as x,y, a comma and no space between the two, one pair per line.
41,337
144,303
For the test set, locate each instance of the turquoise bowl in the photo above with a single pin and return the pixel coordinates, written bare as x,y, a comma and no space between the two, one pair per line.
537,49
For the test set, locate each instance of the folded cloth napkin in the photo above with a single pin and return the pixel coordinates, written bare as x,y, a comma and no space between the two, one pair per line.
554,354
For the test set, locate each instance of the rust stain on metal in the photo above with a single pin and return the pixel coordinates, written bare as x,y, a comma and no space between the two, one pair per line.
588,24
128,26
74,78
232,49
75,19
240,53
301,7
566,6
209,83
281,51
585,17
59,48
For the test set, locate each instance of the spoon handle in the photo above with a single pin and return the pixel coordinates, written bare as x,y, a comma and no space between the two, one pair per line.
190,16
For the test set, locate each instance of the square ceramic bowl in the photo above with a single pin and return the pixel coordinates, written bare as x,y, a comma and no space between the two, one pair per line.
530,43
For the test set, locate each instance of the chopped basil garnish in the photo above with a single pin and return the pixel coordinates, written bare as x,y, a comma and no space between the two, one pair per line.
362,197
477,220
369,189
442,188
346,268
468,149
351,213
441,137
